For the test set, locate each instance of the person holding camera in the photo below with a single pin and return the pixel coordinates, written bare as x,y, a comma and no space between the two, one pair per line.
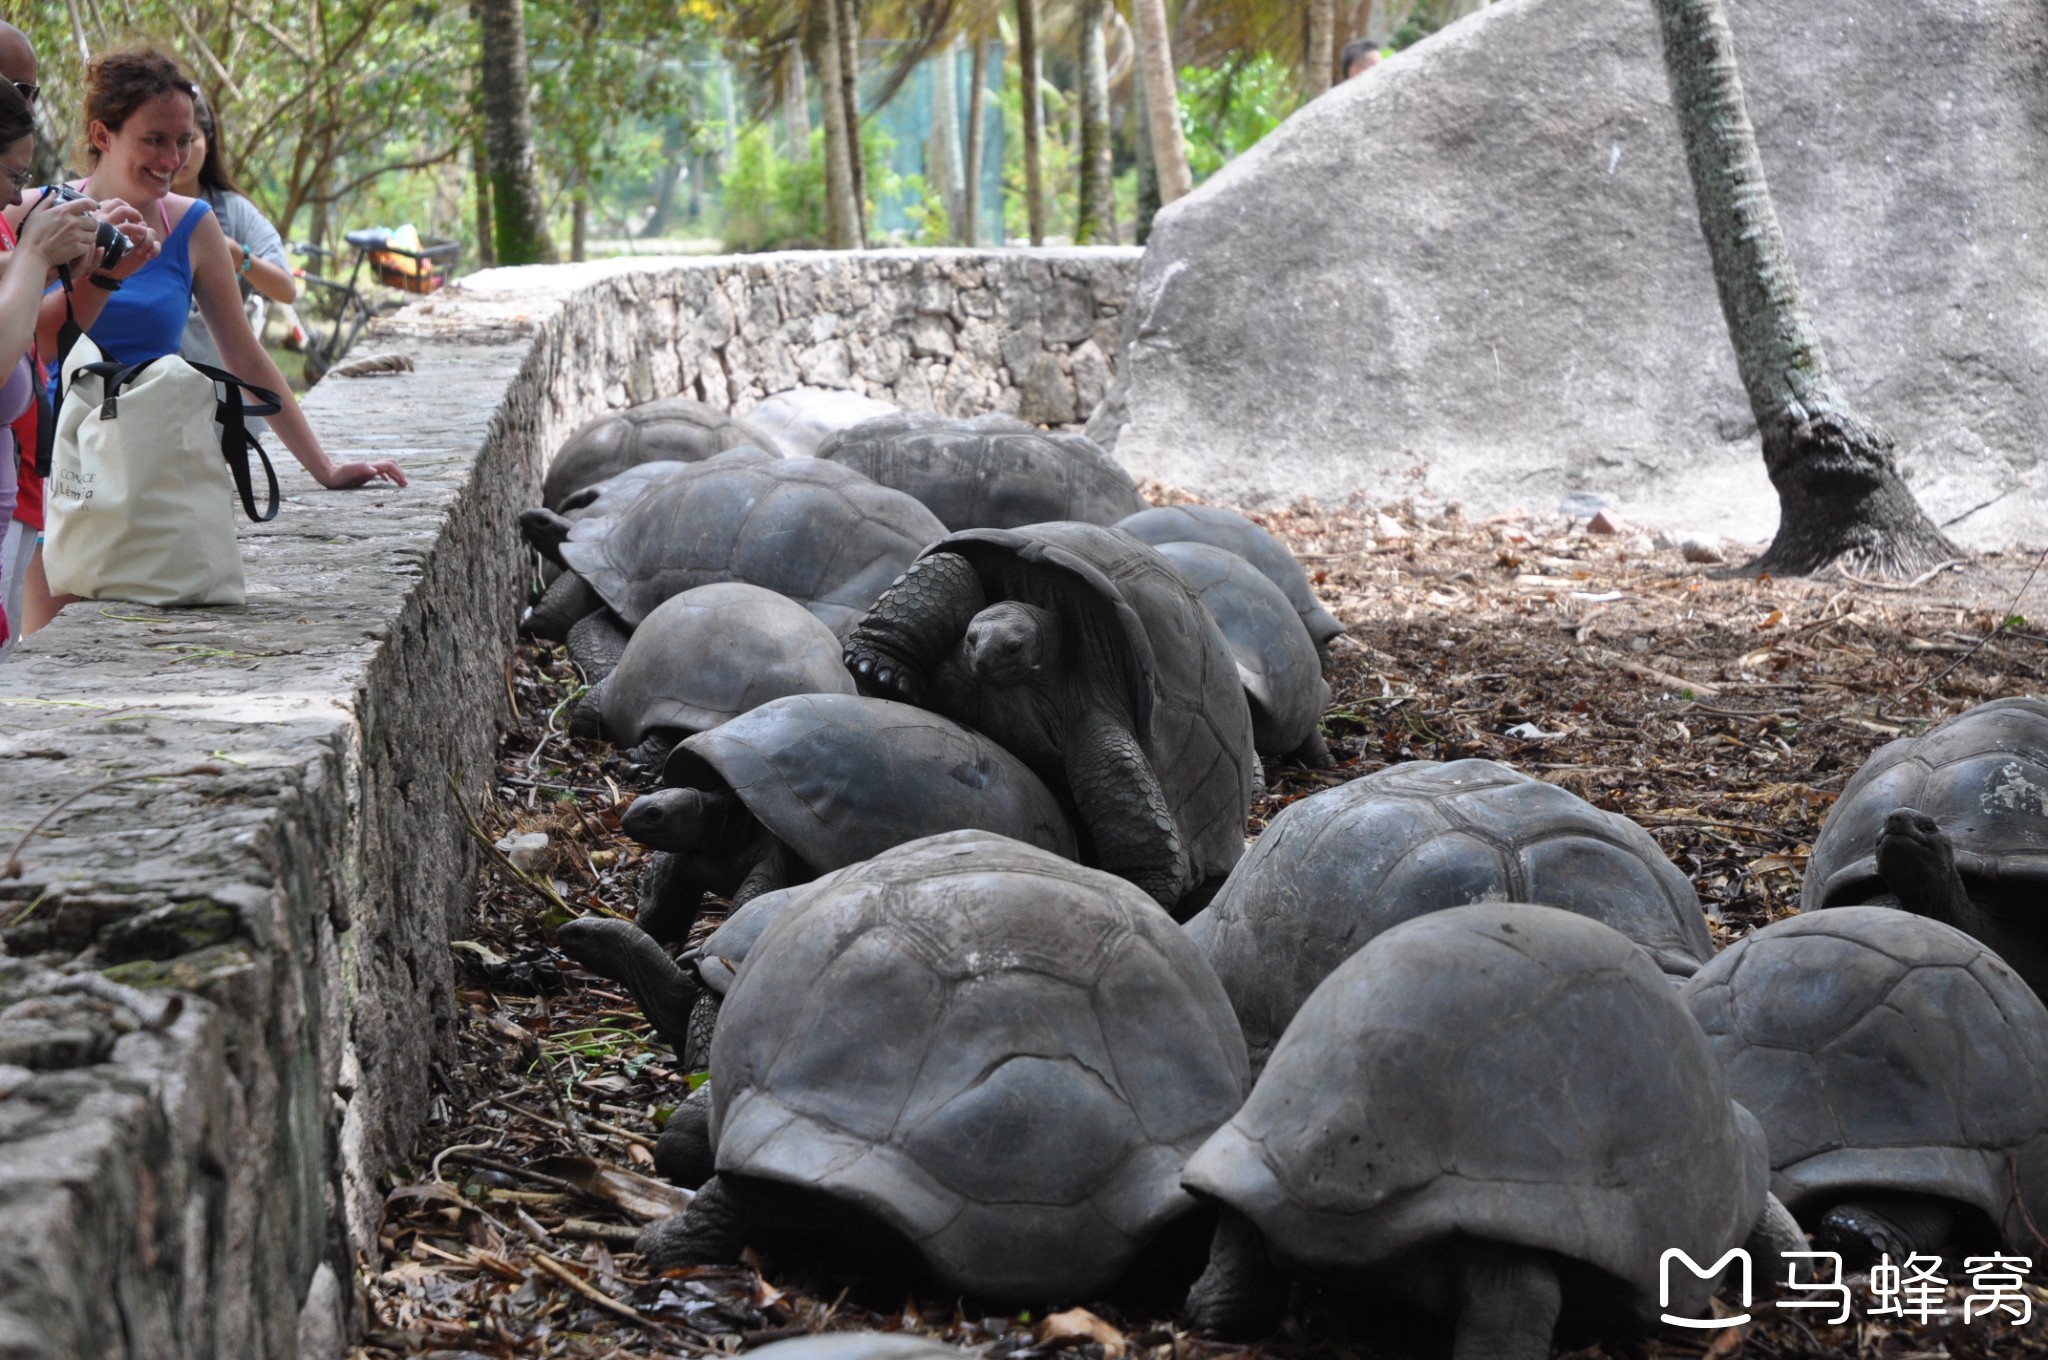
139,132
63,236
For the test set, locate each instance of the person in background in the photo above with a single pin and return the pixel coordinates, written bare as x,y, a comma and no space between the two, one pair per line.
21,530
138,135
1360,56
264,272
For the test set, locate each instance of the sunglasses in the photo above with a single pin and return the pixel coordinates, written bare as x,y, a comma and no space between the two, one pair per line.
28,91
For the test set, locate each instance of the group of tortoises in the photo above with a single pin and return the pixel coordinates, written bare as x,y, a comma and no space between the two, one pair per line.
966,737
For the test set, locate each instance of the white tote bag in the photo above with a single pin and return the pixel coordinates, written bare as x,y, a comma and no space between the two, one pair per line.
148,462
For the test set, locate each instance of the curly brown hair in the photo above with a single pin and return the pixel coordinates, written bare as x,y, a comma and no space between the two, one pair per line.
122,81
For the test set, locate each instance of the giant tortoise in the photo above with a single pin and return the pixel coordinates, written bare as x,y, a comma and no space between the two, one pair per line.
1232,532
972,1051
812,782
1497,1112
1084,652
1952,825
1900,1072
990,472
821,534
672,429
1338,868
801,419
1276,659
704,657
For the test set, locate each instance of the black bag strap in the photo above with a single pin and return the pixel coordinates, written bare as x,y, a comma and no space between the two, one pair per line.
230,409
46,410
236,442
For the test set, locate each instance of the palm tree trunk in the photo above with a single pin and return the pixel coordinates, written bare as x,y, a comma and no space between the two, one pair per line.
796,106
1095,218
842,223
969,228
1034,119
1840,497
1148,173
480,174
1162,105
519,216
1322,47
947,172
849,81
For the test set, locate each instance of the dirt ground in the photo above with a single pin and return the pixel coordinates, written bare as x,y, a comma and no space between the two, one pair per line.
1723,713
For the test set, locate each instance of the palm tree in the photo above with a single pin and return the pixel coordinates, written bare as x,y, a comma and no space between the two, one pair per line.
968,229
1322,47
1034,119
1095,216
1840,497
1162,104
519,218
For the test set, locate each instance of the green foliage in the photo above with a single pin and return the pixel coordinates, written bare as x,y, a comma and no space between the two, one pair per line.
1059,162
1225,109
774,203
771,203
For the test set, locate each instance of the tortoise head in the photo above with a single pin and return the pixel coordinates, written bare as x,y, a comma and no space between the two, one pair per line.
1918,863
545,531
680,820
1011,644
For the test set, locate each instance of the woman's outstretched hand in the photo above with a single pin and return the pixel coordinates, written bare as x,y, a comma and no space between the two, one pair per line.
343,476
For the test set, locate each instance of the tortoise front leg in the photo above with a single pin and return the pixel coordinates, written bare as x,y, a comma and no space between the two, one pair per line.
918,620
596,642
569,599
710,1232
1898,1226
671,894
684,1154
1240,1293
774,865
1508,1302
1123,806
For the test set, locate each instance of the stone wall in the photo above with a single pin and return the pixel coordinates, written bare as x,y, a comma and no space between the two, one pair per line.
197,1180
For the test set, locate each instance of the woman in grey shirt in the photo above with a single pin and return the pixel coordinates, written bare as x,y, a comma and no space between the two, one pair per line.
266,276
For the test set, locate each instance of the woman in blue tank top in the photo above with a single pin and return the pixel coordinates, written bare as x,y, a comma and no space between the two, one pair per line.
138,124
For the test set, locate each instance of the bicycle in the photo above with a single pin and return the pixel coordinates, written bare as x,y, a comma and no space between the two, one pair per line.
418,272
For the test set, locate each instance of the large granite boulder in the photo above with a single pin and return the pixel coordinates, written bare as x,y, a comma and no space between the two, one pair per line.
1482,256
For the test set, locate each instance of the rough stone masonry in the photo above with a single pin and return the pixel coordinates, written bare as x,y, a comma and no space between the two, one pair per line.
196,1181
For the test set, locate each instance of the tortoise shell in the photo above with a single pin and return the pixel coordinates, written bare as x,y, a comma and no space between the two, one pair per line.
1162,653
1276,658
819,533
1502,1072
671,430
1336,869
1982,776
1232,532
993,472
1884,1051
802,419
999,1056
839,778
713,653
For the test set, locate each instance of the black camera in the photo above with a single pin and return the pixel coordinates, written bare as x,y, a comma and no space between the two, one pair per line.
112,242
